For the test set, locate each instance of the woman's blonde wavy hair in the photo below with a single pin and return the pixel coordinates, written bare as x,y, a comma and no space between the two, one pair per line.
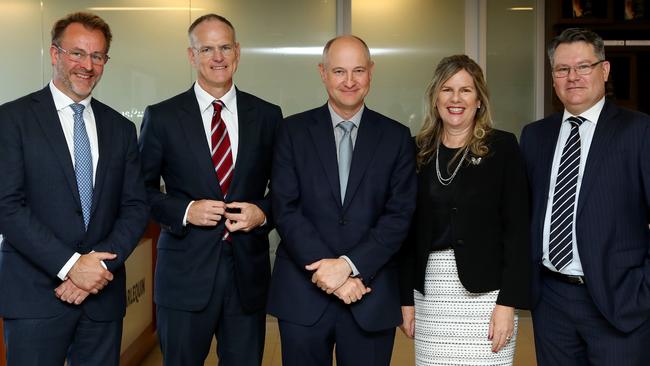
430,135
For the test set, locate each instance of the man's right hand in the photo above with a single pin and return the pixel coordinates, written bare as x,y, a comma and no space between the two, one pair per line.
89,274
205,212
352,290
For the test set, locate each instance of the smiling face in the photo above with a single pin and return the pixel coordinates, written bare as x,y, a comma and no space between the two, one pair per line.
579,92
215,69
457,101
346,73
76,79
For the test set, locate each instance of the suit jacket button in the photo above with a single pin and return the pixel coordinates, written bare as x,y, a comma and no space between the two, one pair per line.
342,222
460,242
454,209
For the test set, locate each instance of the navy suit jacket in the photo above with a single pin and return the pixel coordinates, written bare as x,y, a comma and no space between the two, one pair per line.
368,227
613,210
173,145
40,211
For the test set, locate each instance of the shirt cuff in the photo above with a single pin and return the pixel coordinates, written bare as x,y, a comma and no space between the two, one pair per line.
186,212
63,273
355,272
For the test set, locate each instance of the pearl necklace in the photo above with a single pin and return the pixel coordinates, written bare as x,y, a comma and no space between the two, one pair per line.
447,181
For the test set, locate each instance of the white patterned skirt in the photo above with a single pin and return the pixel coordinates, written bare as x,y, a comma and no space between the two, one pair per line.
451,323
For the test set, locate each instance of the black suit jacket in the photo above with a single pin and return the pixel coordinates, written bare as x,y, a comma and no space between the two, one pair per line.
40,211
173,145
368,227
489,225
613,211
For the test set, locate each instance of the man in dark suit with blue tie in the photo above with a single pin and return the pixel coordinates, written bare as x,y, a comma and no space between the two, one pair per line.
343,195
212,145
589,171
72,208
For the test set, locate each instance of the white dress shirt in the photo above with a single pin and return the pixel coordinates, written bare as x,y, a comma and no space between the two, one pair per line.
62,103
587,129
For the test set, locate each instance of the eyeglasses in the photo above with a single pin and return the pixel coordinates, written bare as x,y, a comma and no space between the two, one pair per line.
208,51
97,58
582,69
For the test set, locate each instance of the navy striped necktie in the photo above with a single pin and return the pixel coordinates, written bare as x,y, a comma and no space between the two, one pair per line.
560,245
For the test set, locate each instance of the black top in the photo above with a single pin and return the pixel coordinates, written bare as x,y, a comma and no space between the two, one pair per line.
488,224
442,197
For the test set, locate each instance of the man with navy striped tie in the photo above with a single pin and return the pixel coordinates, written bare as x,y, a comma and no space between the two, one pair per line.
589,171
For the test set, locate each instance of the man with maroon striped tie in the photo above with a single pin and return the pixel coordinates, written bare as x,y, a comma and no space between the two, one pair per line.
212,146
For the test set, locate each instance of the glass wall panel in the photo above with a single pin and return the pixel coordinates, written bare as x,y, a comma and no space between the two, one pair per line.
407,39
20,37
511,62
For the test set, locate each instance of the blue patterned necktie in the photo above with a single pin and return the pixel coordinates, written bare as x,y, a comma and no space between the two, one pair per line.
345,155
560,247
83,162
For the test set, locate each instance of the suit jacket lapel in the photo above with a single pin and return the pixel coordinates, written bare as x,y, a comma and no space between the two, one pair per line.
547,142
48,118
322,134
246,125
605,129
191,123
365,146
104,142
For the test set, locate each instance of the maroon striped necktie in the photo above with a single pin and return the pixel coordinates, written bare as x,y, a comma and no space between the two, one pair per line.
221,151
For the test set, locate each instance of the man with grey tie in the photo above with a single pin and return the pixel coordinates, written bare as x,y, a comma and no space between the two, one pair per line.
589,173
72,208
343,194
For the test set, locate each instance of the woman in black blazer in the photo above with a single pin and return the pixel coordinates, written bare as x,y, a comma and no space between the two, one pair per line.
467,255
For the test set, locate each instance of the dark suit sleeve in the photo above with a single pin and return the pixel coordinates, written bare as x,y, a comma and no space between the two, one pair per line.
391,228
133,215
407,269
515,277
18,224
166,209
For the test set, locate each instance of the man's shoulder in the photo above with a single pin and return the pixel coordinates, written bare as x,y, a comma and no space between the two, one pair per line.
102,110
245,98
25,100
381,121
173,102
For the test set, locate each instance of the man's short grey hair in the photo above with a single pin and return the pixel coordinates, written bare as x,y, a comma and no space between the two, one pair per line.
572,35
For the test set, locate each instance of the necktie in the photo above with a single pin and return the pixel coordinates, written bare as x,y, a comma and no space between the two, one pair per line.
564,198
345,155
221,154
83,162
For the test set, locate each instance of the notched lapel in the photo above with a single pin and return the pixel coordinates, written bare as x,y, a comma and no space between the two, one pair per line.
605,130
105,132
368,138
48,118
322,134
191,123
246,124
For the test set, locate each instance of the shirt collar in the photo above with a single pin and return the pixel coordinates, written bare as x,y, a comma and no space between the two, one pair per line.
62,101
590,114
205,100
336,119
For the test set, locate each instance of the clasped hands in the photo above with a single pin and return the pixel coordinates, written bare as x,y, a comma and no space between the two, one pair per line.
333,277
244,216
87,276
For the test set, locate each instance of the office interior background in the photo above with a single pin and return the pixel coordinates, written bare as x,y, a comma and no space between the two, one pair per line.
281,43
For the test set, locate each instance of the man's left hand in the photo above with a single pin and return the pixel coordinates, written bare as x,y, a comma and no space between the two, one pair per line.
70,293
330,273
247,217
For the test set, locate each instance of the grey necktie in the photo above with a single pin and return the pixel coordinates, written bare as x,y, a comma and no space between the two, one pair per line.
345,155
83,162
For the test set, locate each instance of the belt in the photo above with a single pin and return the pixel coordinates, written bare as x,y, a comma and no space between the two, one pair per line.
571,279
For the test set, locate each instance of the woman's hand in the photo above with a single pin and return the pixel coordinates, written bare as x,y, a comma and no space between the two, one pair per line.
408,321
502,326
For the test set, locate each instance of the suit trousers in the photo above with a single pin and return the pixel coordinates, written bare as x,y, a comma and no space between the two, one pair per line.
313,345
570,330
71,335
186,336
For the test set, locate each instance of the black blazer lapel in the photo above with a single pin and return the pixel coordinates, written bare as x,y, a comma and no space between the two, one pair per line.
191,123
605,130
246,125
365,146
48,118
547,141
105,131
322,134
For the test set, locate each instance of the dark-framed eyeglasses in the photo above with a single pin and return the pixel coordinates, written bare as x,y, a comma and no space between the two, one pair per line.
97,58
582,69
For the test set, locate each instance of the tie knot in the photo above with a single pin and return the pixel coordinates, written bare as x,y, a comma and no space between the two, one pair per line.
576,121
77,108
347,126
218,106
